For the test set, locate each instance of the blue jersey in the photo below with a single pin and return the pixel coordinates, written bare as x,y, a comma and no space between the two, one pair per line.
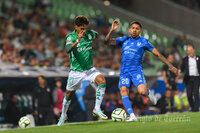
132,52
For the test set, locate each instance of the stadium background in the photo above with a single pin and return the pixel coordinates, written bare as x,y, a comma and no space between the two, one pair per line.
42,26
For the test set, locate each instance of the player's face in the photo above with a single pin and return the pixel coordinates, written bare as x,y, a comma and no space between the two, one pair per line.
41,80
171,58
135,30
82,28
190,51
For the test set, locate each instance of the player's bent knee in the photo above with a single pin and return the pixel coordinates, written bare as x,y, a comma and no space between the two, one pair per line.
100,80
123,91
142,92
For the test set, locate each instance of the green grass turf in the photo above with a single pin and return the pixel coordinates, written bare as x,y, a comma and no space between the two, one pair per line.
171,123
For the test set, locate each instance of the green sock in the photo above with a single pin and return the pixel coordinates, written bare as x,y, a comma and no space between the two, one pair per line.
99,95
65,106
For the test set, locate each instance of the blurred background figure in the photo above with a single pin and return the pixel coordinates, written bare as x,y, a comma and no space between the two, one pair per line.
43,102
12,113
191,68
89,101
170,80
58,96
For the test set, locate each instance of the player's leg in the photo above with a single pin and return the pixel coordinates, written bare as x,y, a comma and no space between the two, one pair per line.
189,89
124,91
65,107
100,91
73,83
173,92
143,90
167,98
139,81
196,94
67,102
124,85
99,83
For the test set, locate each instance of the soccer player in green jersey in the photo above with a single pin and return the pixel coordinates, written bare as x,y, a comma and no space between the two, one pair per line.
79,47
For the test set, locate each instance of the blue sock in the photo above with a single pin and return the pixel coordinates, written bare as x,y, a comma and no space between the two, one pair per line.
127,104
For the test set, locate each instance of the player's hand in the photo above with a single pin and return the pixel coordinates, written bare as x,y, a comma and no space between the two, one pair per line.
174,70
167,85
115,25
81,34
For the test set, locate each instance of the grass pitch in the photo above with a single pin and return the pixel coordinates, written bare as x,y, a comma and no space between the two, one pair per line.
171,123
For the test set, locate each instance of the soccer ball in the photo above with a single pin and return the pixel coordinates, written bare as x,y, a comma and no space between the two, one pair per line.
118,115
24,122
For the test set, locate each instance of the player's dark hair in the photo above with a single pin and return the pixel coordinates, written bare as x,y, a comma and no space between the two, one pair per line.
42,76
81,20
58,79
170,54
191,45
138,23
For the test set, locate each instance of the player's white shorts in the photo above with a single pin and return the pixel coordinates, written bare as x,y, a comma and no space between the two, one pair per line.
76,77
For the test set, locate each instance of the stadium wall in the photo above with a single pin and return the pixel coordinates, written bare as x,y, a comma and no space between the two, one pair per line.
170,14
148,23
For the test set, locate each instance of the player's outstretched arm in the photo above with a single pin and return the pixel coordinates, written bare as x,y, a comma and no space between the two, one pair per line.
108,40
69,47
164,60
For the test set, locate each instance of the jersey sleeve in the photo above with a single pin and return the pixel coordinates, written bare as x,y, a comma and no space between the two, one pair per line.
68,44
120,40
94,34
68,40
148,46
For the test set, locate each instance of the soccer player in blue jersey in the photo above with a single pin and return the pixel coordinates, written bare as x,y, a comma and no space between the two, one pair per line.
133,48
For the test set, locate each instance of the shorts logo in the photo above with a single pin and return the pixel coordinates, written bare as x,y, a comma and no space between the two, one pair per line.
139,76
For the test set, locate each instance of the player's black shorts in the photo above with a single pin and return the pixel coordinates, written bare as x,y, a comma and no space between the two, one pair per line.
173,87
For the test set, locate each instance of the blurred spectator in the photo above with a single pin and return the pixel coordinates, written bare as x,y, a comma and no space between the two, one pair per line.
40,54
176,53
43,103
89,101
178,42
59,59
34,63
27,53
58,96
4,57
147,61
12,113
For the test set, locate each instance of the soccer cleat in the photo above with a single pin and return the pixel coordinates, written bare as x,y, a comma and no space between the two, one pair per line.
61,121
131,118
100,114
152,98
